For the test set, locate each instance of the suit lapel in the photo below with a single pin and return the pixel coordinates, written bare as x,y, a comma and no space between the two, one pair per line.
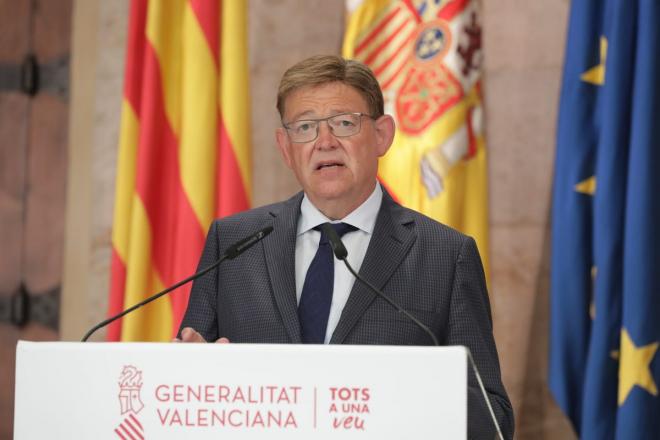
388,246
280,260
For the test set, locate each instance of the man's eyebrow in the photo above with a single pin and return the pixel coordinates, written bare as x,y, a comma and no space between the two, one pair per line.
310,114
303,115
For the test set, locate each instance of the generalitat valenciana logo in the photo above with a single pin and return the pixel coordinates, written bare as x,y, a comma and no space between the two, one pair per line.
130,384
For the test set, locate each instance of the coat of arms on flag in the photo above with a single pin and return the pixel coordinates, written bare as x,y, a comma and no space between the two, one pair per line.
427,58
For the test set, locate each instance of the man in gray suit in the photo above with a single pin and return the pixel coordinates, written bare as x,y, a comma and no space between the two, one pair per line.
333,131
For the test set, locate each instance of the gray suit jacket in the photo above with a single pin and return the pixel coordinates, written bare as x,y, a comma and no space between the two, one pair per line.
429,269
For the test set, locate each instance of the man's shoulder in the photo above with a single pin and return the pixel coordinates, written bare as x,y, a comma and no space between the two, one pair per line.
252,220
428,228
251,215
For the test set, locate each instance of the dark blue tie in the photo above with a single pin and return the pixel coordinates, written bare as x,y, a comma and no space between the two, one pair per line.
316,297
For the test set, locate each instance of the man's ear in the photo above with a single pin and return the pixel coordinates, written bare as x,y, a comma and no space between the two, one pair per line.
385,129
284,145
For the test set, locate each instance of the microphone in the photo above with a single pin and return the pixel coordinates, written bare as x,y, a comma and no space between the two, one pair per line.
241,246
341,253
232,252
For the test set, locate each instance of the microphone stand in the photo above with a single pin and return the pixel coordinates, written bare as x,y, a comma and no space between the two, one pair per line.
232,252
341,253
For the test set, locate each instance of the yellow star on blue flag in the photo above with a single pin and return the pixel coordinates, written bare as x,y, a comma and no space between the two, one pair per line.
635,367
596,75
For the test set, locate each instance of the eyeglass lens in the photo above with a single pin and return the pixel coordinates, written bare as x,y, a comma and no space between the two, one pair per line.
346,124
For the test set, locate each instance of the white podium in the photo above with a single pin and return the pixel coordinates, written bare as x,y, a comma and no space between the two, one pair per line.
239,391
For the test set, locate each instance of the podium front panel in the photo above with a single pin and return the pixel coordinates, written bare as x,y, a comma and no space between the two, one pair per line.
239,391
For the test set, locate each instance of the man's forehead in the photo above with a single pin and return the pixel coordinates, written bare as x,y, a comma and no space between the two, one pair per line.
324,100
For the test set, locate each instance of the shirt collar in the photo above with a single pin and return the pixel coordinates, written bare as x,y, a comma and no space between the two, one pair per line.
363,217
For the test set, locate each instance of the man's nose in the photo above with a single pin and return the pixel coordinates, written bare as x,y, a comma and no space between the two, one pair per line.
325,138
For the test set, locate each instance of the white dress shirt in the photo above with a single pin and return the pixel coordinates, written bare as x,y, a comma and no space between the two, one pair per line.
356,242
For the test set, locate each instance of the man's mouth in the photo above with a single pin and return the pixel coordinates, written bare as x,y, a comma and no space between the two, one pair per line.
323,165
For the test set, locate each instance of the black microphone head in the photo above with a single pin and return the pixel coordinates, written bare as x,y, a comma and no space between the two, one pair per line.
336,244
237,249
264,232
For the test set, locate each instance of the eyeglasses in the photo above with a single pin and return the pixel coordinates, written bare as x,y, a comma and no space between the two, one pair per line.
341,125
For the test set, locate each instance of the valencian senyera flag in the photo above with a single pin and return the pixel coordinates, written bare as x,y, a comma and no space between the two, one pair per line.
605,277
183,153
427,57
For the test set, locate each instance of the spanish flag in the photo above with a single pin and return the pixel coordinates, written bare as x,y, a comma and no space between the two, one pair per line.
427,58
184,154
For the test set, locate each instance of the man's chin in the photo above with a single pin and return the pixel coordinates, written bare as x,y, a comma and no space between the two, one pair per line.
331,188
329,193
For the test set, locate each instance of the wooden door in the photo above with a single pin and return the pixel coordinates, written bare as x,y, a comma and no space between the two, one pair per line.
34,59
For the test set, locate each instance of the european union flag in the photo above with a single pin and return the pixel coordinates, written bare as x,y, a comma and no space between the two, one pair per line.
605,285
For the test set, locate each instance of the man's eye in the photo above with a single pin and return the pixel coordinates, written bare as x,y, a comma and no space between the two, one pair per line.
303,127
344,123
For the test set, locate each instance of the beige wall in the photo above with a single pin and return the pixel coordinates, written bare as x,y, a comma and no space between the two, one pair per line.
524,47
523,43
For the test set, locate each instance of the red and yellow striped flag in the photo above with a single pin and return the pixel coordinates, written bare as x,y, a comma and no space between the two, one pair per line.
427,57
183,152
